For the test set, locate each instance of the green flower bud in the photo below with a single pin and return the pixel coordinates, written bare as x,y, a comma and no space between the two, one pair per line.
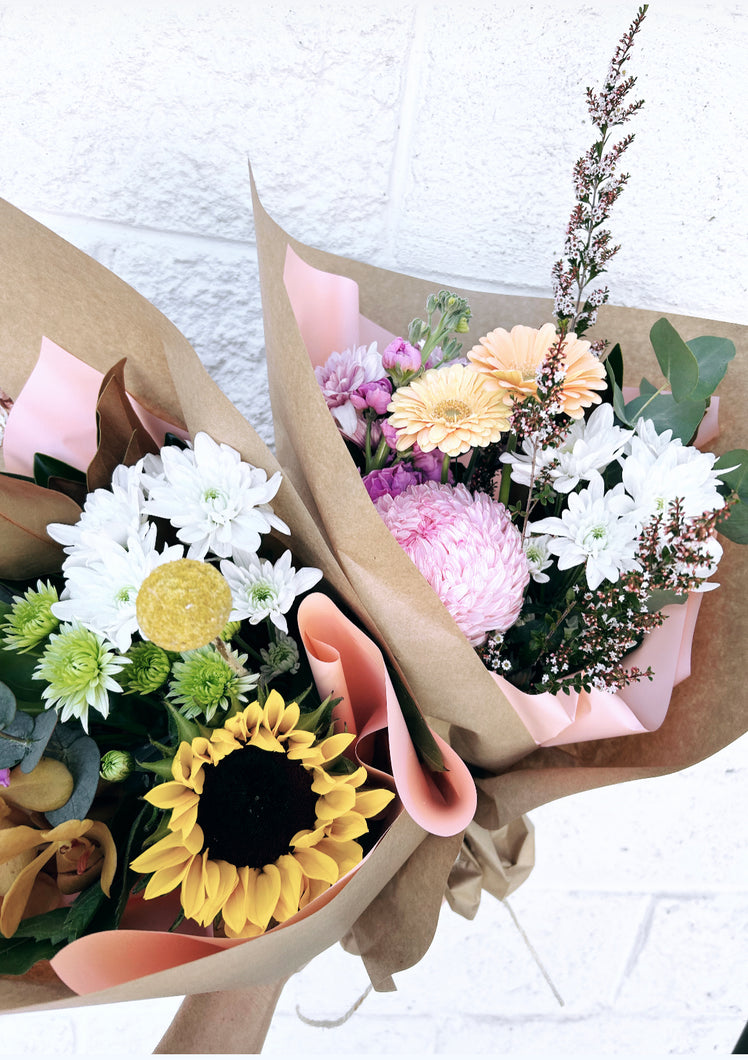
148,668
116,765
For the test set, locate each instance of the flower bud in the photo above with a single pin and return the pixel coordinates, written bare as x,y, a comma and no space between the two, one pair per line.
116,765
402,356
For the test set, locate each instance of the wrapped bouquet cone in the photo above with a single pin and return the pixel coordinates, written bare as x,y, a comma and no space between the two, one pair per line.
316,303
86,321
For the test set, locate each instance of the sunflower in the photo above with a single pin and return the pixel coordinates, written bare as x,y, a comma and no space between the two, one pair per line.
511,360
448,409
258,827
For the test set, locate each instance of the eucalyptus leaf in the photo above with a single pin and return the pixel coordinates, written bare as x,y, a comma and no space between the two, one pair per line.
614,365
677,361
15,740
619,403
7,706
44,724
735,526
713,355
681,417
71,746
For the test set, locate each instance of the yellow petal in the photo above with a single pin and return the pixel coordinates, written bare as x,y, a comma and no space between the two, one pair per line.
192,895
267,893
169,851
370,803
292,879
345,855
167,879
14,841
307,837
335,803
234,911
334,746
348,826
316,865
168,795
47,787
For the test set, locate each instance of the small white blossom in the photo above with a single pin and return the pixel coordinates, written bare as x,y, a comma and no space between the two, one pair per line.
261,589
538,557
113,514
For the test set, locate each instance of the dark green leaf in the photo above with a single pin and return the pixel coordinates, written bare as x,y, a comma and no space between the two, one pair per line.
422,737
677,361
48,467
50,926
18,955
70,745
614,365
83,910
713,355
16,671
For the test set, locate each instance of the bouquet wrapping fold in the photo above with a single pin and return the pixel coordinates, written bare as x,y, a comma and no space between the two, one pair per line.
54,296
446,677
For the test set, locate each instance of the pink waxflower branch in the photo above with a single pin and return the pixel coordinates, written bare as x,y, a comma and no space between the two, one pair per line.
597,186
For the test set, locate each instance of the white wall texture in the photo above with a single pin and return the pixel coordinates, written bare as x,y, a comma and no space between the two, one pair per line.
438,139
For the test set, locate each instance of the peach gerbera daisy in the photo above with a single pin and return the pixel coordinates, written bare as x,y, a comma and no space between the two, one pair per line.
511,361
449,409
259,827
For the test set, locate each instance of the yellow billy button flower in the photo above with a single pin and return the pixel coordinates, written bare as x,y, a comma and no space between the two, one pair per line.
258,827
183,605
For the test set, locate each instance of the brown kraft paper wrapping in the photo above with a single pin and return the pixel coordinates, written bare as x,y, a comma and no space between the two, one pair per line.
707,711
48,287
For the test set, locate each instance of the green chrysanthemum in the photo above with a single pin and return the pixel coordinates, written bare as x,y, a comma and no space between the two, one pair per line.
280,657
31,620
148,668
78,666
205,682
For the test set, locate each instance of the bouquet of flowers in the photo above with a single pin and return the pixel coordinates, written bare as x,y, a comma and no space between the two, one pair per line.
532,535
208,767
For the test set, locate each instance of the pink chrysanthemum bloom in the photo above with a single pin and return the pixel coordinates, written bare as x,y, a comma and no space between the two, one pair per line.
345,375
467,549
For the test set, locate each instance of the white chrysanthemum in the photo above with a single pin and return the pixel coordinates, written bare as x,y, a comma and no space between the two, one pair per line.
114,514
590,445
215,500
597,529
101,587
660,469
261,589
538,557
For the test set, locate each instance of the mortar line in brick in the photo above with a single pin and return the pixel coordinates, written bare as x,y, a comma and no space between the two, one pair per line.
107,228
406,124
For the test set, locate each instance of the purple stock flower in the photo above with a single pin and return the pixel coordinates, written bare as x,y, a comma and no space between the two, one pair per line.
400,356
375,395
391,481
4,778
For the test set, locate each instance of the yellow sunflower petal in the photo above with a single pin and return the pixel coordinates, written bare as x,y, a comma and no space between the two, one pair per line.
184,818
346,855
336,802
334,746
307,837
372,802
167,879
192,895
292,879
316,865
234,907
348,826
171,850
168,795
267,892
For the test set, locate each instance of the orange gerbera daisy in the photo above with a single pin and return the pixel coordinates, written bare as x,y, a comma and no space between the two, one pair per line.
258,827
511,359
449,409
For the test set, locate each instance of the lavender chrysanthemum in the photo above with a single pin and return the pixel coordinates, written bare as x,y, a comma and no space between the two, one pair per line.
467,549
346,375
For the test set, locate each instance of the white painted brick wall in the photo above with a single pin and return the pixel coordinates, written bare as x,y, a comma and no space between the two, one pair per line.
434,138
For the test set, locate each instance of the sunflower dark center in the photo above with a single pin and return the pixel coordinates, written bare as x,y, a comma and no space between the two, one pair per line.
253,803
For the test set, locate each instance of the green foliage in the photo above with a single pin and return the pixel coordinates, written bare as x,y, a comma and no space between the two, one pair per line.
735,526
71,746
